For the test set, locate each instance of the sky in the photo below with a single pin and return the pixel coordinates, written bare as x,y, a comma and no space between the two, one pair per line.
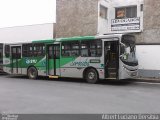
26,12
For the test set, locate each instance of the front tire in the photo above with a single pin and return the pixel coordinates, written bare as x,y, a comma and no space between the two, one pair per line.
91,76
32,73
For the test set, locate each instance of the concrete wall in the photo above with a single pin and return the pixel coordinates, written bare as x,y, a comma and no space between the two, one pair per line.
26,33
151,21
148,59
148,55
76,18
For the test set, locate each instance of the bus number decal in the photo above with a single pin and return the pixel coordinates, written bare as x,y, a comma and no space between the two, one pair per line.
28,61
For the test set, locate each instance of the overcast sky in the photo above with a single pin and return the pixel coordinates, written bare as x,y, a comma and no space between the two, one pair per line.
26,12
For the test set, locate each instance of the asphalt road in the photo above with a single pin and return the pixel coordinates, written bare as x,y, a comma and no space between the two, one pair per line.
21,95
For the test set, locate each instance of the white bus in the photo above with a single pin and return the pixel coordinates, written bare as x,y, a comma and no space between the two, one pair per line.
93,58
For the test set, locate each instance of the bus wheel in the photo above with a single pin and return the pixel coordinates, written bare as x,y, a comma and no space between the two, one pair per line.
32,73
91,76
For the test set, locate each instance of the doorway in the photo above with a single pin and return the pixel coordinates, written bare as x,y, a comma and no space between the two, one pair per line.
53,59
111,58
15,60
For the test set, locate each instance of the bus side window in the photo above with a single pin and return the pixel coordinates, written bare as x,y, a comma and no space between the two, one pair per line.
57,52
18,53
24,50
66,49
27,50
1,56
84,49
91,48
70,48
38,50
7,51
75,48
1,52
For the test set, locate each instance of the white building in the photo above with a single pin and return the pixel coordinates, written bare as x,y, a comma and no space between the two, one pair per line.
26,33
120,16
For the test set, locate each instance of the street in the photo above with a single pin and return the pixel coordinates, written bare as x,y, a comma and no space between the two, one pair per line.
22,95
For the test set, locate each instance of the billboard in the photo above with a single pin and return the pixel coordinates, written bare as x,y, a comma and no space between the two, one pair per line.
125,24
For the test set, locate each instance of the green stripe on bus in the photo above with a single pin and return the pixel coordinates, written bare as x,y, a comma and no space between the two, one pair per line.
76,38
44,41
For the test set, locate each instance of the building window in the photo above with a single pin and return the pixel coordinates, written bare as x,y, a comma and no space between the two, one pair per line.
103,12
126,12
141,7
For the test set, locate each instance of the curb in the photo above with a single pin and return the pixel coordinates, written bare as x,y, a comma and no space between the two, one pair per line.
149,80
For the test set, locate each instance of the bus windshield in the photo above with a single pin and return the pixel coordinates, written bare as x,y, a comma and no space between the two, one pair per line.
128,50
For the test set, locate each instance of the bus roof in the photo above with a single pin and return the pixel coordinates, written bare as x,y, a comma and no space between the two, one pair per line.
73,38
44,41
108,36
87,37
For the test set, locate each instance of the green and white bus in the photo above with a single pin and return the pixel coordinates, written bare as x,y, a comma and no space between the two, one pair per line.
109,56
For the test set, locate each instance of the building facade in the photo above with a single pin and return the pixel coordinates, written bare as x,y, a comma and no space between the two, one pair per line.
151,32
93,17
76,17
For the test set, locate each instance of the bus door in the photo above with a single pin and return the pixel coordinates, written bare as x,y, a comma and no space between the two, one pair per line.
53,60
15,60
111,58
